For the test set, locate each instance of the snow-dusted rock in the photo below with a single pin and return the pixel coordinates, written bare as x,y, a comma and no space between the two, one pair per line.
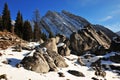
35,63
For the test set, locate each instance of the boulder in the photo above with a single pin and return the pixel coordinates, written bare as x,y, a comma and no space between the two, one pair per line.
3,77
50,44
80,61
64,50
113,67
115,44
36,63
76,73
50,62
61,74
88,39
58,59
115,58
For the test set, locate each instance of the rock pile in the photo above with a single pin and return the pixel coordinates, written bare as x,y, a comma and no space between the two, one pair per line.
8,39
45,58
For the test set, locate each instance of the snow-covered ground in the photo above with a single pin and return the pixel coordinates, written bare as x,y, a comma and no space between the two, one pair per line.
14,73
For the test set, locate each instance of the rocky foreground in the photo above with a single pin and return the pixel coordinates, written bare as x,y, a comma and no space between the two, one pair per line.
87,55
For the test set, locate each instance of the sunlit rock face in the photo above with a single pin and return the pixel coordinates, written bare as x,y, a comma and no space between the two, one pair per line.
66,23
88,39
63,22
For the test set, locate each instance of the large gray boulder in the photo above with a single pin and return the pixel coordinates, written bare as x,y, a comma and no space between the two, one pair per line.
88,39
50,62
64,50
35,63
58,59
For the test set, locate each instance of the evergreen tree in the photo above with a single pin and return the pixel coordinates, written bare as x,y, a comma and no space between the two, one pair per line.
51,35
19,25
27,31
37,32
44,36
1,28
6,20
37,26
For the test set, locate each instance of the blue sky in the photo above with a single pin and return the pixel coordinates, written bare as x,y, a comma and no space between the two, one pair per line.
104,12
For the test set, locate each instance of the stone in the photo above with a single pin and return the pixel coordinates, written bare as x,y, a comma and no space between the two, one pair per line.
80,61
64,50
61,74
88,39
115,44
35,63
76,73
58,59
18,65
115,58
50,44
3,77
93,78
50,62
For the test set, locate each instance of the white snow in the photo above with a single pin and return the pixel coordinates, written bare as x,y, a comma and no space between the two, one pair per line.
60,44
14,73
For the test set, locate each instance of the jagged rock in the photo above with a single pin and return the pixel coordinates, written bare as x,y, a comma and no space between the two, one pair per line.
8,39
61,74
93,78
76,73
115,44
0,54
35,63
50,62
115,58
58,59
60,38
113,67
64,50
5,62
50,44
80,61
18,65
63,23
18,48
88,39
107,31
3,77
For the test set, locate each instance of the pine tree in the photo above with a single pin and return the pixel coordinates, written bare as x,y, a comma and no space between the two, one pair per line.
37,32
51,35
6,20
27,31
44,36
19,25
1,28
37,26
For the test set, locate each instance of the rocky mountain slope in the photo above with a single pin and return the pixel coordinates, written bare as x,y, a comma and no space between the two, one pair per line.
66,23
8,39
107,31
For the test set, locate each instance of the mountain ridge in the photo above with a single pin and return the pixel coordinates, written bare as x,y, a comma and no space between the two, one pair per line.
66,23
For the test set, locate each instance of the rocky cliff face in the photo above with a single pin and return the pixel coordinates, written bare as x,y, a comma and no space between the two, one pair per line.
66,23
108,32
88,39
63,23
83,35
